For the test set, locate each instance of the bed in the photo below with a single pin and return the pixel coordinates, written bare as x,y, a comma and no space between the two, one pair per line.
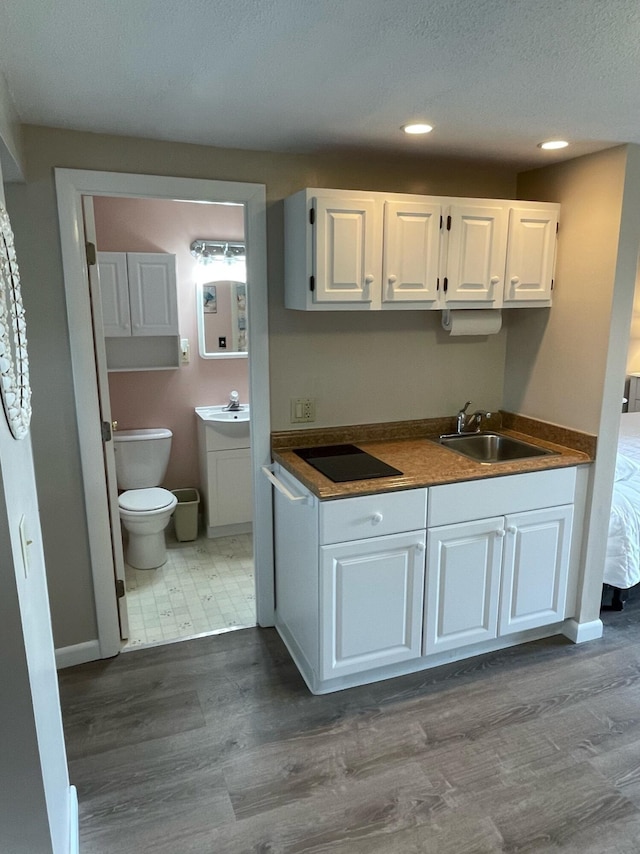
622,563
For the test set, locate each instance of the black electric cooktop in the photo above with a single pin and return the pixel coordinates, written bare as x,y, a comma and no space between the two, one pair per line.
341,463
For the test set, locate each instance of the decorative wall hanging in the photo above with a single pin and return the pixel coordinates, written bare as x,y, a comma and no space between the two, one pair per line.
14,362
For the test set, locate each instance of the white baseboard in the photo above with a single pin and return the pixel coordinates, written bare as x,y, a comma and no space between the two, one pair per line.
74,827
80,653
582,632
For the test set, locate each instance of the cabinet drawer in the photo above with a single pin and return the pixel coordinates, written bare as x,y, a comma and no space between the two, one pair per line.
372,515
498,496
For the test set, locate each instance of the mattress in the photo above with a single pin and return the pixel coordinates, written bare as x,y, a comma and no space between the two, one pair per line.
622,563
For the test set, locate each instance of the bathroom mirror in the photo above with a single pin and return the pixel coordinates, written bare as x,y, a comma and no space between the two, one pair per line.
14,363
222,319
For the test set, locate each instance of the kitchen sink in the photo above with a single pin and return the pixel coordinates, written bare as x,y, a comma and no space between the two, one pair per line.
492,447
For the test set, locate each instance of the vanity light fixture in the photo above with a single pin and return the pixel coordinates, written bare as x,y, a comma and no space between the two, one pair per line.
207,251
553,144
417,128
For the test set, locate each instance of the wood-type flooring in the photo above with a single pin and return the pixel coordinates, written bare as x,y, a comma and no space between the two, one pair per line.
215,746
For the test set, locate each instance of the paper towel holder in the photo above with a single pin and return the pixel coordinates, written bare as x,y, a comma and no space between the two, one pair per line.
467,322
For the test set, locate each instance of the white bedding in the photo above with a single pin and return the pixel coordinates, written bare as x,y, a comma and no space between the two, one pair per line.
622,564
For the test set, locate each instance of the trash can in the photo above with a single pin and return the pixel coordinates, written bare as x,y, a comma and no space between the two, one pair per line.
185,516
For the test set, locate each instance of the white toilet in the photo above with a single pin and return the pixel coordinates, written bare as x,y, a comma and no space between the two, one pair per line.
142,457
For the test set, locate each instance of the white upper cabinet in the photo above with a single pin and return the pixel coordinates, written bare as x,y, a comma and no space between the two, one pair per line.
475,258
346,251
530,255
411,251
138,293
354,250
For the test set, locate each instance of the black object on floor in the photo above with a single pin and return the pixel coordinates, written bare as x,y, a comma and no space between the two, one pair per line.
341,463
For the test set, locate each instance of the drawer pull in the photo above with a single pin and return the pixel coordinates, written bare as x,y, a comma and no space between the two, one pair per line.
512,529
377,518
500,532
279,485
420,547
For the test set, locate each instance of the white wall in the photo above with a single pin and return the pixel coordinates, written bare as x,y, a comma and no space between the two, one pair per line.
35,801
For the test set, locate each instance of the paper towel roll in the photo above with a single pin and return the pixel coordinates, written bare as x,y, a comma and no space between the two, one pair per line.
481,321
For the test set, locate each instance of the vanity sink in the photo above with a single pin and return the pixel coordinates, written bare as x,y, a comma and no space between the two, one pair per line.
492,447
221,415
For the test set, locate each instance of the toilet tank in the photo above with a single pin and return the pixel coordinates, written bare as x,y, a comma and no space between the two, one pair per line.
142,456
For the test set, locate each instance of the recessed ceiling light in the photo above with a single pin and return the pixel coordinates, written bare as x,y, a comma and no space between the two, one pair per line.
417,127
552,144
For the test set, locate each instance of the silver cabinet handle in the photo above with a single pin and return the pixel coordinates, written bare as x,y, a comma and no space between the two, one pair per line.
279,485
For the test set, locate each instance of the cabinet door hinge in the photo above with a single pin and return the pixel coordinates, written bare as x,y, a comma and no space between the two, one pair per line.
119,588
438,283
448,223
551,284
312,283
557,227
106,431
445,284
312,215
441,222
92,255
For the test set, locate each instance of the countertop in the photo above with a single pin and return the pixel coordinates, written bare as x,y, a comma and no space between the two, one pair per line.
412,448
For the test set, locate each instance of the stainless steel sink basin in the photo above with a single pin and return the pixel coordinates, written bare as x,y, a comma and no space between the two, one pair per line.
492,447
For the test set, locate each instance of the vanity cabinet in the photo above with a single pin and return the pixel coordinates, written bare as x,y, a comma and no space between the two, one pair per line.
499,574
353,250
138,293
226,476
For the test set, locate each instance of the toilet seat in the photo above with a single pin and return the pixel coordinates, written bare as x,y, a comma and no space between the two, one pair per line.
146,500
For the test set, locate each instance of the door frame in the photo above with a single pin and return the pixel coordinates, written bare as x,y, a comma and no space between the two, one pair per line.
71,185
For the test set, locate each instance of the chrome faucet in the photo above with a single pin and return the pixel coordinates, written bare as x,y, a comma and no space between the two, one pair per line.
234,402
470,423
461,418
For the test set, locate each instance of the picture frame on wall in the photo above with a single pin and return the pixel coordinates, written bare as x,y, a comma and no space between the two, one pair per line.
209,299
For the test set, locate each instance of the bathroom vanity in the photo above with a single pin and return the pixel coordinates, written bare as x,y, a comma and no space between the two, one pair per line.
408,576
224,451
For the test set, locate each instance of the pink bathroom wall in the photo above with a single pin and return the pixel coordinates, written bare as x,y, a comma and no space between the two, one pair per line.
168,398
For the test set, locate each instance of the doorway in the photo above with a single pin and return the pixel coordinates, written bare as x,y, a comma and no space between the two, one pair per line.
71,186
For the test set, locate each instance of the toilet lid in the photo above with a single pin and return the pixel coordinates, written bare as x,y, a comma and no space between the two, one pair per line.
154,498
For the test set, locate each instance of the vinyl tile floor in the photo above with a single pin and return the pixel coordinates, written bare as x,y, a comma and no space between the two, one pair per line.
215,746
205,586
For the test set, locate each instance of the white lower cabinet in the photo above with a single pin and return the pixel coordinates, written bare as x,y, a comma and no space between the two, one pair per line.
463,584
371,603
373,586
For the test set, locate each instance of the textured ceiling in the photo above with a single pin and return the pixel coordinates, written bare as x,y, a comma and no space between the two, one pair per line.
494,77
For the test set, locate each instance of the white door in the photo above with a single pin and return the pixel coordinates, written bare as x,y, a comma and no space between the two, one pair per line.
153,293
535,569
463,583
105,415
476,254
347,251
371,603
411,252
114,294
530,255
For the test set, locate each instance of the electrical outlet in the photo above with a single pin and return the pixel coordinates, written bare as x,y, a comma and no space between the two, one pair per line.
303,409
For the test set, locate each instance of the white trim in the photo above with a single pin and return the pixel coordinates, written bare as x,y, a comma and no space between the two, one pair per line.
71,185
582,632
74,825
79,653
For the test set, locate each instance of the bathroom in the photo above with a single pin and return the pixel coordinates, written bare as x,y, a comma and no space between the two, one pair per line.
207,584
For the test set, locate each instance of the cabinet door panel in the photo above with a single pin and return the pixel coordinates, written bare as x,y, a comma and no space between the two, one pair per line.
346,251
476,254
530,255
229,487
114,294
535,570
411,252
462,587
371,603
152,293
